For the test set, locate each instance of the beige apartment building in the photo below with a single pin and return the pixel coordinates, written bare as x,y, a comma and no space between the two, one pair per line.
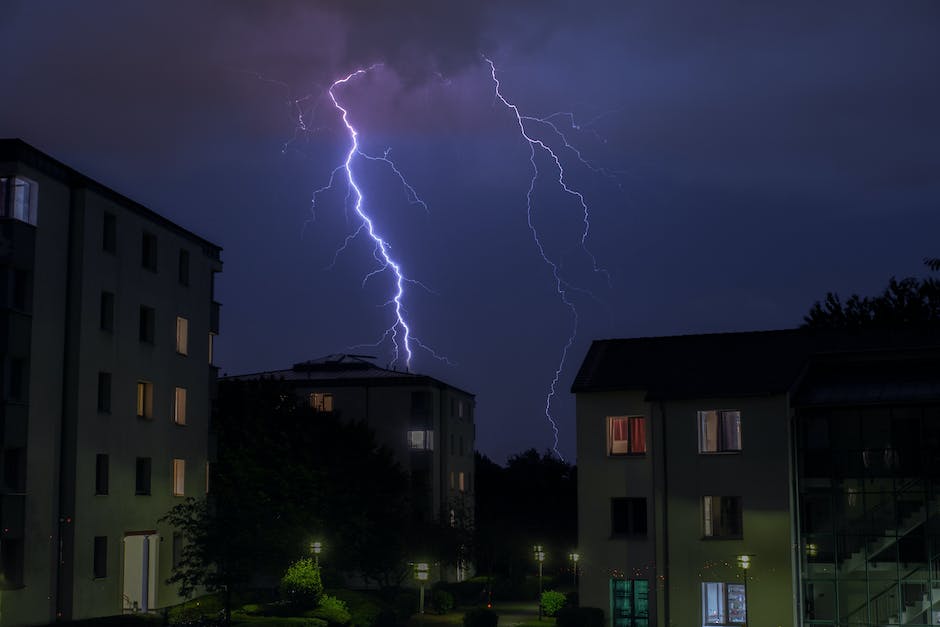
107,319
774,478
428,425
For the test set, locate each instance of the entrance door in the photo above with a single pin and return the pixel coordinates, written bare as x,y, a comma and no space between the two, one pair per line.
140,571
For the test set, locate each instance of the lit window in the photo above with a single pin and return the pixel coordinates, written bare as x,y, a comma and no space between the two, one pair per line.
460,482
719,431
628,516
179,477
460,409
629,602
179,406
452,484
321,402
724,604
419,439
722,516
626,435
182,335
144,399
18,199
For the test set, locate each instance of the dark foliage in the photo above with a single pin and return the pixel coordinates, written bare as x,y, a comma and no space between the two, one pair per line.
533,500
904,303
285,474
580,617
480,617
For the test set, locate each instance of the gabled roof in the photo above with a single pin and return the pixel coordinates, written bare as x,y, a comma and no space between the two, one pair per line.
730,364
340,369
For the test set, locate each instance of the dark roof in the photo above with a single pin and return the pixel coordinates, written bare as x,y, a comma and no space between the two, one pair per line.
730,364
18,150
345,370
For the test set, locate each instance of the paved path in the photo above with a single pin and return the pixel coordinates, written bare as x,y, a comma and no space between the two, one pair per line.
515,613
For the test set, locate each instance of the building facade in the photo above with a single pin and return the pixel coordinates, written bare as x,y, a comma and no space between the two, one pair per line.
773,478
107,319
426,423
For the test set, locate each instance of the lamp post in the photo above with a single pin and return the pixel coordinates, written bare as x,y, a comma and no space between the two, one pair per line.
421,574
574,557
744,561
539,557
315,548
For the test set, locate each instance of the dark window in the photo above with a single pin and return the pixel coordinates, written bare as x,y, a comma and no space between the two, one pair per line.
11,562
109,233
20,289
142,478
104,392
101,473
184,267
148,251
628,516
14,470
460,440
107,311
101,557
420,403
177,549
722,516
148,324
17,379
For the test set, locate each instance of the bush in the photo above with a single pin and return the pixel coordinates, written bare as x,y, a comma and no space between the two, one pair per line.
442,601
470,592
301,585
552,601
480,617
363,608
386,618
406,604
331,610
580,617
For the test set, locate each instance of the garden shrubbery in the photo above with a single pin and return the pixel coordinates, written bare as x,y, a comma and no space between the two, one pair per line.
442,601
301,586
552,601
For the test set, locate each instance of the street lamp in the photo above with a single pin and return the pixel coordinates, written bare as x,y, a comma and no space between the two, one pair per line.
539,557
574,557
744,561
421,574
315,548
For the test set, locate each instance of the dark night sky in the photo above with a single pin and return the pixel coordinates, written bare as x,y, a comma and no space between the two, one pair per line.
763,153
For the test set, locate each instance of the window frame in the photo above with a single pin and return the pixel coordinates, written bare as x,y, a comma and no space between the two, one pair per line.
106,313
148,244
145,399
631,517
109,233
426,443
182,336
720,430
183,268
715,527
105,380
631,444
148,325
100,557
143,476
179,406
102,474
623,620
724,604
10,200
179,477
319,401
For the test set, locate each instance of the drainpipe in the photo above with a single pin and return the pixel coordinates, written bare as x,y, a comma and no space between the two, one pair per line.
665,567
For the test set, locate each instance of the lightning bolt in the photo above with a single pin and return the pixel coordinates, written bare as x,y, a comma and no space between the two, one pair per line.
561,285
400,331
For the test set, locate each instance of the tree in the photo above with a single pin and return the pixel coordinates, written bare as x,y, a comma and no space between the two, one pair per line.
906,302
285,474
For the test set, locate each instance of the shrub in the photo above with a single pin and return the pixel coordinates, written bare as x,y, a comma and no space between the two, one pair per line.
386,618
363,607
331,610
480,617
406,604
301,585
580,617
442,601
470,592
552,601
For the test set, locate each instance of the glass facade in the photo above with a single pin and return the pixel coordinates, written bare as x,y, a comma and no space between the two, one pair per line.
629,602
869,515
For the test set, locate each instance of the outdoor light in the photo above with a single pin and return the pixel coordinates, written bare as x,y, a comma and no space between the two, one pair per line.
315,548
539,553
812,550
539,557
744,561
574,557
421,574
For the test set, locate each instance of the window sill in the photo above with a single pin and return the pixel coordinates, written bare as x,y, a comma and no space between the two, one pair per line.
737,452
643,454
719,538
142,494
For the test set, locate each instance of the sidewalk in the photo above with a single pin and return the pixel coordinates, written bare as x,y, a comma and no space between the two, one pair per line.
516,612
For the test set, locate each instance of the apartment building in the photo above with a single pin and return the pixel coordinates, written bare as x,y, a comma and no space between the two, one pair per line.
428,425
771,478
107,318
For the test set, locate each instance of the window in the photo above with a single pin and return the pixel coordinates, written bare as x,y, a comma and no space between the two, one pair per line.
14,470
719,431
420,403
101,557
148,251
460,481
182,335
147,324
460,441
18,197
17,379
104,392
419,439
177,549
319,401
11,562
179,406
179,477
724,604
626,435
142,476
109,233
722,516
629,602
20,289
628,516
107,312
452,444
184,267
144,399
101,474
452,484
